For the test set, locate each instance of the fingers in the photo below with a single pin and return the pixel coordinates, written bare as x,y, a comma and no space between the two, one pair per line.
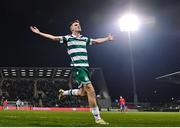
33,27
110,36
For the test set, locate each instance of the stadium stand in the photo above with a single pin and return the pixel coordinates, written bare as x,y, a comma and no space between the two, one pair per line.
39,86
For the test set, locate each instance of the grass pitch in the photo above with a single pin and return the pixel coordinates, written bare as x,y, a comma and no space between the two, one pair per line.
85,119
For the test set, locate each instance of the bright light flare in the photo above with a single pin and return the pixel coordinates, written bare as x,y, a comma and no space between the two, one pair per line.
129,22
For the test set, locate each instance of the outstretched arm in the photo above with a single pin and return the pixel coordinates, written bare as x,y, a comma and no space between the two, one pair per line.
102,40
49,36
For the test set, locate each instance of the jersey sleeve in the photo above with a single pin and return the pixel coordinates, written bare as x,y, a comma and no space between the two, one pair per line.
89,41
64,39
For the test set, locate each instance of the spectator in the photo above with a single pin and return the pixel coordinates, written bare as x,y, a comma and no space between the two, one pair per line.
5,104
18,104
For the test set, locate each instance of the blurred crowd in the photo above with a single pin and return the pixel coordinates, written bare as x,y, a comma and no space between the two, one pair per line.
40,93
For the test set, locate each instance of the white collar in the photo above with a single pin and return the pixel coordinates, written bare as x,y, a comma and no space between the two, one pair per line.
76,36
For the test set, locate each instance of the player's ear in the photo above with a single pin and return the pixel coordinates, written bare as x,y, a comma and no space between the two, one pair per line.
71,28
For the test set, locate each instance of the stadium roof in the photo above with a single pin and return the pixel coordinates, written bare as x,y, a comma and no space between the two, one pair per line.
172,78
34,72
37,72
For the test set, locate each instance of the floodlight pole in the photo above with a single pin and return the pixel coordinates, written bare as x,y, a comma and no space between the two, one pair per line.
132,69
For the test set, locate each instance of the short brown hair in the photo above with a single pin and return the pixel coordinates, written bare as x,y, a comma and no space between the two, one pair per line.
74,21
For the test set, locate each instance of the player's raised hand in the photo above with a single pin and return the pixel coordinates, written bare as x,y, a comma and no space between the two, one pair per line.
34,29
110,37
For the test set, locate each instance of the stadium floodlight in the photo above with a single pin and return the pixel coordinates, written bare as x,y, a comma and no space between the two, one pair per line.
129,23
6,74
13,70
13,74
31,74
59,70
48,72
5,70
58,73
66,73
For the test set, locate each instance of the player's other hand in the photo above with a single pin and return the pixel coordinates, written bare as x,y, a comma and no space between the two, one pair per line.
34,29
110,37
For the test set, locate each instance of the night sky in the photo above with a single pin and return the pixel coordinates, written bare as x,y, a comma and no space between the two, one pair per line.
156,46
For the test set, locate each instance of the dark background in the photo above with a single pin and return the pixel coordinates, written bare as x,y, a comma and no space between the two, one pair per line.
156,46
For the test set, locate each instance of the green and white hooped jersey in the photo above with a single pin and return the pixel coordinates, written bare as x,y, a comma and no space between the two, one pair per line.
76,48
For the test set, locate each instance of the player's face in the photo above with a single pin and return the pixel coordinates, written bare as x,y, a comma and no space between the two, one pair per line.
76,27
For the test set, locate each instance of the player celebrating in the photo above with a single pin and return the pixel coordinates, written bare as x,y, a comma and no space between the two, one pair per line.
76,48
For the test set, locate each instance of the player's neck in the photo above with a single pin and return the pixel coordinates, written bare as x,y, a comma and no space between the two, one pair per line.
77,34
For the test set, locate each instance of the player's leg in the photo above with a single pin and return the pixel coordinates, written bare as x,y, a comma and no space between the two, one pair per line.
82,92
81,75
121,107
72,92
83,78
91,95
93,104
77,74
